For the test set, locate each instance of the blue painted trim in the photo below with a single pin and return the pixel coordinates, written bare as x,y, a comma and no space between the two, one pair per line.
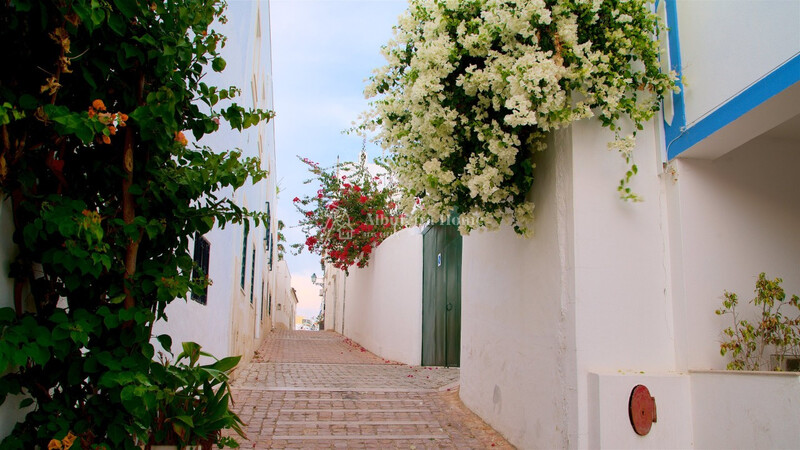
672,131
764,89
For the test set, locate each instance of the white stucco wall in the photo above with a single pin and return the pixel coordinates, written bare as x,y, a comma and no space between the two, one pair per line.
609,420
745,410
230,324
738,217
517,317
383,301
284,300
764,34
589,293
334,286
624,317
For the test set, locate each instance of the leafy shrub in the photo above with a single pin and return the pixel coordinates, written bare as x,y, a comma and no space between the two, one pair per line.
95,98
750,341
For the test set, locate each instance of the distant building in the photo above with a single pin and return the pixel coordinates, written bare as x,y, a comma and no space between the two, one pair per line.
285,299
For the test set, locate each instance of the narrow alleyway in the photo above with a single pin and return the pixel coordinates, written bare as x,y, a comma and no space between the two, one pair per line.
309,389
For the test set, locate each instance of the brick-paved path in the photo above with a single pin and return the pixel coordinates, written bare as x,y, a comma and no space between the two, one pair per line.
310,389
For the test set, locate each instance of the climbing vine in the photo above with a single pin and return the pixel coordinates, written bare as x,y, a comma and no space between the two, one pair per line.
96,101
471,88
352,212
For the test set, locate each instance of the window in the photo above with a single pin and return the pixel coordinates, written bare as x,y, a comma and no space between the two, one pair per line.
270,252
269,305
253,275
267,225
263,303
202,253
244,253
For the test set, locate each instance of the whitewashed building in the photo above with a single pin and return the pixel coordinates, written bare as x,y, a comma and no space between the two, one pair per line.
557,330
237,310
283,316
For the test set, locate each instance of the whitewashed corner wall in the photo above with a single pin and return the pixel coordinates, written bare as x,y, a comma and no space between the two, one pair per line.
586,293
517,318
382,308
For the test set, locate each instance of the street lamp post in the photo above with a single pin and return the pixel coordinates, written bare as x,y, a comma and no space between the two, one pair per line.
321,323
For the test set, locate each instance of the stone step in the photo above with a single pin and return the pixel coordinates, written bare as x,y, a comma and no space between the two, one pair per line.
334,437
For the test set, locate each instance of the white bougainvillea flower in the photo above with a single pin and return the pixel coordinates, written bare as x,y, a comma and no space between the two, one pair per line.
471,88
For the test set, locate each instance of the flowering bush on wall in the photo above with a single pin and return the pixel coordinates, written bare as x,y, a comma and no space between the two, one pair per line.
472,87
350,215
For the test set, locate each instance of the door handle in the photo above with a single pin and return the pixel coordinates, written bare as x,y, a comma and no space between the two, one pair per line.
449,306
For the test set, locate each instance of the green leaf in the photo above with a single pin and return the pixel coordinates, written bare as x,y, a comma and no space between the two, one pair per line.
117,24
87,75
166,342
127,7
27,101
98,16
185,420
7,315
226,364
218,64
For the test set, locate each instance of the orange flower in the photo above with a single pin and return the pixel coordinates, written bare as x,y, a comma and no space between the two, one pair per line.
112,129
68,440
180,138
106,139
54,444
99,105
52,86
92,112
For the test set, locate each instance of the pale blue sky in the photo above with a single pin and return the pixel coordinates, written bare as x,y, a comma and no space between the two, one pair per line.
323,50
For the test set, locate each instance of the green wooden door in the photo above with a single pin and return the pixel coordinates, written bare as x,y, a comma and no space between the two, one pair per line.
441,296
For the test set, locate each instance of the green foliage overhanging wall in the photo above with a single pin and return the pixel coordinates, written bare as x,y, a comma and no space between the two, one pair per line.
94,99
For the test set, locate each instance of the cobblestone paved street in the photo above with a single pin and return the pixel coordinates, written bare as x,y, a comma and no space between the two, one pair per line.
309,389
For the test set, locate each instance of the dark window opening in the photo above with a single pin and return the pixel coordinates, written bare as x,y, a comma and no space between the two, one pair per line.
253,276
202,253
244,253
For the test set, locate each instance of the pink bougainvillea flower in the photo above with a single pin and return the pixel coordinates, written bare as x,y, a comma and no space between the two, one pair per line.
329,224
363,199
309,213
356,188
296,199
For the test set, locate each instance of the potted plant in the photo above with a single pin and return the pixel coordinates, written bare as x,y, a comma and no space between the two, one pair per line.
186,405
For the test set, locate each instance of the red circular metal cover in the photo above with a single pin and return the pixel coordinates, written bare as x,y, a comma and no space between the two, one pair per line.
641,410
